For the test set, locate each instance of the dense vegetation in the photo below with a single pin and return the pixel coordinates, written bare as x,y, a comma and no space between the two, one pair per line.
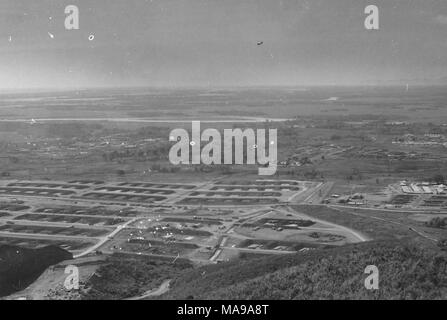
19,267
124,277
437,222
405,272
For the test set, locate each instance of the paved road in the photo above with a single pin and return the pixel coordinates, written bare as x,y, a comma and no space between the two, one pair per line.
265,251
172,257
256,214
315,196
105,239
40,236
337,226
409,210
411,228
162,289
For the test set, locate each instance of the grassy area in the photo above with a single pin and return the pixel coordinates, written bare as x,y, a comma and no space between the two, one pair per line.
125,276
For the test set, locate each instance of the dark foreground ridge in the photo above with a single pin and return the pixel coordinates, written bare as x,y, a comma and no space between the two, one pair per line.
19,267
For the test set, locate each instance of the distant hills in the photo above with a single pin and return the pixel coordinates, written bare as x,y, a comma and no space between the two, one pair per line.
440,81
19,267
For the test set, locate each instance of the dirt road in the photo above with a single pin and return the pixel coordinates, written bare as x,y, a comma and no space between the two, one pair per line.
162,289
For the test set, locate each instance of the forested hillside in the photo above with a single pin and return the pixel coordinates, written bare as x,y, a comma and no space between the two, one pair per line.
405,272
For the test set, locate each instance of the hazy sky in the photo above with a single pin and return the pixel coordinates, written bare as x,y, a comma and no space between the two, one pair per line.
214,42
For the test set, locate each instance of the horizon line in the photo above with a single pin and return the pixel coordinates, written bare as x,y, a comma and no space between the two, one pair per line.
217,87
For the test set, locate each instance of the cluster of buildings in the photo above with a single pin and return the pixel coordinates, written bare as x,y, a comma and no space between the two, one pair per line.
380,153
422,188
428,139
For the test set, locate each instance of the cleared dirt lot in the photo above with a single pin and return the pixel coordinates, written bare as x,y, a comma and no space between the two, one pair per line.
88,211
66,231
41,192
69,219
70,245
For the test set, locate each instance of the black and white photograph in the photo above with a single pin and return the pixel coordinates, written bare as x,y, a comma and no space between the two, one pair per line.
202,151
